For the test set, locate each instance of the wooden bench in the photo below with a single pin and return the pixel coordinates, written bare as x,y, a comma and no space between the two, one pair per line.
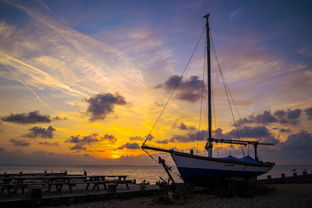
59,185
96,184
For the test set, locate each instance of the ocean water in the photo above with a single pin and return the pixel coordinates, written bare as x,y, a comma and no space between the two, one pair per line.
140,173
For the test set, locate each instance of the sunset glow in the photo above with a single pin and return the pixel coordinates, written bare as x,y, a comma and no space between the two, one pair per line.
82,82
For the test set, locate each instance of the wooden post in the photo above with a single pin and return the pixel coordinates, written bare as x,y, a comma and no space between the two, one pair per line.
167,169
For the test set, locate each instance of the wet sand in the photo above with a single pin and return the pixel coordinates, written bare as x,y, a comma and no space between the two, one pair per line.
285,196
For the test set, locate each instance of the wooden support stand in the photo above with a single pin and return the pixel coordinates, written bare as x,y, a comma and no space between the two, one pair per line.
168,170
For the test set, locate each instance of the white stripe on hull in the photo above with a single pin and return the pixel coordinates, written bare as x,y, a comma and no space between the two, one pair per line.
187,162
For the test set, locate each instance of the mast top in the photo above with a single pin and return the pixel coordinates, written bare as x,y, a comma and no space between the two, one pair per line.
206,16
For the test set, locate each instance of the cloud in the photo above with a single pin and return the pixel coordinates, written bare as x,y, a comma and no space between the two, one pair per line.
138,138
20,143
58,118
183,126
38,131
48,143
130,146
291,117
110,138
301,141
190,137
80,143
284,130
102,104
78,147
27,118
165,141
189,90
258,132
308,112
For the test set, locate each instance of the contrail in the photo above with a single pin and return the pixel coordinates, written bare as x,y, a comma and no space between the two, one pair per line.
51,79
32,91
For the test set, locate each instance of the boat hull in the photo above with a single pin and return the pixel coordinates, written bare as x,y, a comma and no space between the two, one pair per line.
203,170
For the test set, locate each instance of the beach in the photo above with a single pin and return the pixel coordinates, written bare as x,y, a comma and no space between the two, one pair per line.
284,196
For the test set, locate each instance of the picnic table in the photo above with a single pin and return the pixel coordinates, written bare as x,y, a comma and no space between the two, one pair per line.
57,181
98,180
20,182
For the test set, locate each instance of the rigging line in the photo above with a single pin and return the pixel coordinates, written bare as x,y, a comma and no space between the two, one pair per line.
230,94
225,88
214,109
151,156
175,87
201,101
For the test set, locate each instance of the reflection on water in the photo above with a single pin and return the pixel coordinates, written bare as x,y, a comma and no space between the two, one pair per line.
140,173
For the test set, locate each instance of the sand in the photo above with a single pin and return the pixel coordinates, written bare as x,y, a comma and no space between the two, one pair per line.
285,196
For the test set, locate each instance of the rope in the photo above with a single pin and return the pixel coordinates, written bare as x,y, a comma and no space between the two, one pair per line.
175,87
226,89
201,102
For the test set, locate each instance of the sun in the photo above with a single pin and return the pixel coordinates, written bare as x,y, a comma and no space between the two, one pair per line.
114,156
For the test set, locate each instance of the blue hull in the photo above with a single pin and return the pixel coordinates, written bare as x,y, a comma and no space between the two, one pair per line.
208,176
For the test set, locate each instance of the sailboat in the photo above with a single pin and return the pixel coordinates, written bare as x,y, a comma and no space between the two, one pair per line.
197,169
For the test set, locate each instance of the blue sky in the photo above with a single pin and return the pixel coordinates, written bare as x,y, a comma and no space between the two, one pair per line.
58,57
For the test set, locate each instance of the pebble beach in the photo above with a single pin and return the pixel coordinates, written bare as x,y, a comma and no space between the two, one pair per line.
284,196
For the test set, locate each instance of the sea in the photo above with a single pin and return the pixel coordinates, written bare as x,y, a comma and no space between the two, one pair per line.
140,173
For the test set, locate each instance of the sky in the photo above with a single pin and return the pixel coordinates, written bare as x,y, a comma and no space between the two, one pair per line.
83,82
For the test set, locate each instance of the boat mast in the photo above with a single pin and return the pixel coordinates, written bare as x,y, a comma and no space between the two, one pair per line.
209,143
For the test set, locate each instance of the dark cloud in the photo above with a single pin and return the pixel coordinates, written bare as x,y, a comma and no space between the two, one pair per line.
135,138
110,138
283,130
38,131
301,141
58,118
20,143
291,117
308,112
80,143
190,137
138,138
165,141
130,146
78,147
189,90
27,118
102,104
259,132
48,143
183,126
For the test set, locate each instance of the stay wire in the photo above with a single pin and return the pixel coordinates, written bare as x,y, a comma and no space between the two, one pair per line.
175,87
225,88
201,101
235,106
